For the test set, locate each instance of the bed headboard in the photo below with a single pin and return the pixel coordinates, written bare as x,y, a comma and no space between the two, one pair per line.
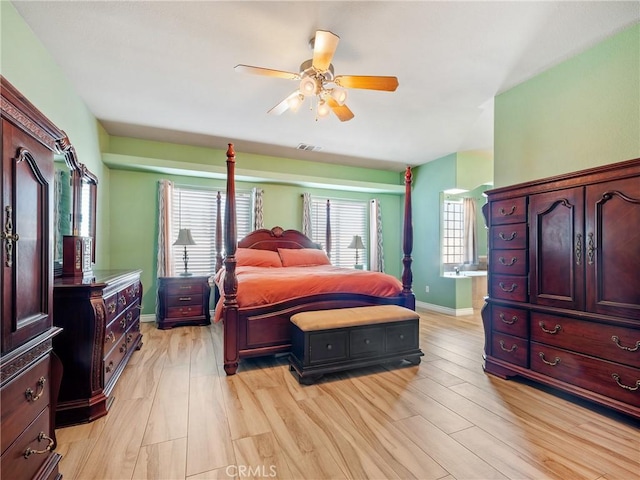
265,239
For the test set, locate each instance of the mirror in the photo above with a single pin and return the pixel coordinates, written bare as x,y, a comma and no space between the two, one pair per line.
75,201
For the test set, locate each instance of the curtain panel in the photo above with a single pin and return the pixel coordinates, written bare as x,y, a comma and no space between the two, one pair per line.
164,260
470,240
376,251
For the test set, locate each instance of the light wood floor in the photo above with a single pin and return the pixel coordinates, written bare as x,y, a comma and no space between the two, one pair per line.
176,416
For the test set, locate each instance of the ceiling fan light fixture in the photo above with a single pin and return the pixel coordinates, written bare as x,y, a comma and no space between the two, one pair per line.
295,102
309,86
339,94
323,108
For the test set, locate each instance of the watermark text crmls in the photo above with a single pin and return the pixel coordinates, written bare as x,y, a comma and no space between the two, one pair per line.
240,471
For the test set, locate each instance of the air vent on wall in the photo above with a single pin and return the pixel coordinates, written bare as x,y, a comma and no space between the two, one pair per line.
308,148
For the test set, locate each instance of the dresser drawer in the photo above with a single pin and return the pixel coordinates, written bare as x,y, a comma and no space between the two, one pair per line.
114,357
111,306
509,287
364,342
508,237
618,344
511,349
511,321
23,399
509,262
607,378
132,292
512,210
326,346
13,464
402,337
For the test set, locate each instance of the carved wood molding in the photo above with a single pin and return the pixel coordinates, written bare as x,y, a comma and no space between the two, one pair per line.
9,369
28,125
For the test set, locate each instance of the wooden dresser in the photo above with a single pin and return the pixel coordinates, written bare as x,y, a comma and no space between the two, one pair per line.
29,372
564,284
183,301
101,321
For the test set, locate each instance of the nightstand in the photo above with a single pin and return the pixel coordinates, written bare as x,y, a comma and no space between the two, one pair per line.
183,301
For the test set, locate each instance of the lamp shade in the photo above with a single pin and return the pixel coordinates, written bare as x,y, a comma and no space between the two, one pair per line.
184,237
356,242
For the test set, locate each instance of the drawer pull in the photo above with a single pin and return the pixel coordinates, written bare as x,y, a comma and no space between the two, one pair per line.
29,393
111,308
184,299
123,323
510,289
401,336
129,338
129,316
504,262
513,348
555,330
109,367
329,346
123,348
41,436
555,362
504,237
367,341
122,300
513,320
616,340
504,213
616,377
185,287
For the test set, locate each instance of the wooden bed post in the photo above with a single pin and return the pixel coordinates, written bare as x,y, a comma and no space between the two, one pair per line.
230,309
218,233
327,234
407,242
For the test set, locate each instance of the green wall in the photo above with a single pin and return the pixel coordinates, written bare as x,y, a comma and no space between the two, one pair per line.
582,113
134,219
30,68
466,170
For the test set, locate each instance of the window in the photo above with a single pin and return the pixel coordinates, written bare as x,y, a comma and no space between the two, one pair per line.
195,208
453,228
348,218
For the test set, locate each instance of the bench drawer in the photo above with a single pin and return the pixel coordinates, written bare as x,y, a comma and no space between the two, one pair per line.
402,337
366,341
328,346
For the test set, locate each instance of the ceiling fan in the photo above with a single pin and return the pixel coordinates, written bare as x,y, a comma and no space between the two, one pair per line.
317,80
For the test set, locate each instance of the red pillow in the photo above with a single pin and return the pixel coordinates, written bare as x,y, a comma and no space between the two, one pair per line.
303,257
252,257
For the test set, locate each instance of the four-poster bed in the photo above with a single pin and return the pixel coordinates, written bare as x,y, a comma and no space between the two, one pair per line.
265,329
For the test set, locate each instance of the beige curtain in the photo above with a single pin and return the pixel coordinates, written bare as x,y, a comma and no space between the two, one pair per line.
470,240
165,196
376,252
306,215
258,208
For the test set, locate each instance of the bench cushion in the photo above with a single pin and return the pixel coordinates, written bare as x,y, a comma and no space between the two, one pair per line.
351,317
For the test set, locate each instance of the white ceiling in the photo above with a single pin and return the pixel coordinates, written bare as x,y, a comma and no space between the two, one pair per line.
163,70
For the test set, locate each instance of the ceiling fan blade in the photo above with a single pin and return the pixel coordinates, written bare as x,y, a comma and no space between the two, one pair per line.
285,104
388,84
268,72
324,46
342,111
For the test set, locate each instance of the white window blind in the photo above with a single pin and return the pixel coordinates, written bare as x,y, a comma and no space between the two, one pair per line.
453,228
348,218
195,208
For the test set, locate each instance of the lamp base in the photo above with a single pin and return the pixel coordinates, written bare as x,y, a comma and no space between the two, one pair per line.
186,274
358,266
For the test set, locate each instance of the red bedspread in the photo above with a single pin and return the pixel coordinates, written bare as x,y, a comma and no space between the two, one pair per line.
262,286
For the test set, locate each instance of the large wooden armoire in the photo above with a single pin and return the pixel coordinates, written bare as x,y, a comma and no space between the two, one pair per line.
564,284
29,372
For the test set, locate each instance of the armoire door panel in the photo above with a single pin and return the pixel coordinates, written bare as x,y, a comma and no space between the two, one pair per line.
556,242
26,224
613,247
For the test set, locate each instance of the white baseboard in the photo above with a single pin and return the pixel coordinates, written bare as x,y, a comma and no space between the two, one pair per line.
455,312
148,317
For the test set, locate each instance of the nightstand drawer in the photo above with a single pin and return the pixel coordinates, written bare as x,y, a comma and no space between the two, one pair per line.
184,288
185,311
185,299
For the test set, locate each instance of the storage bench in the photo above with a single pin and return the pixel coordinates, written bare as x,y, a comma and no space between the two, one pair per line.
327,341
